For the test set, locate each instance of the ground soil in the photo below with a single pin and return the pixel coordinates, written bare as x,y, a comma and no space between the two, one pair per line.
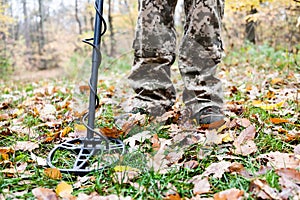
35,75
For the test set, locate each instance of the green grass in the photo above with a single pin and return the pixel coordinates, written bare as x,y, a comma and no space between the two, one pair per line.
269,142
153,185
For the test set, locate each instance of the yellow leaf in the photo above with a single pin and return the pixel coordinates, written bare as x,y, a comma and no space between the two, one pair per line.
227,137
223,127
121,168
18,112
276,81
66,131
4,156
64,190
79,127
268,106
53,173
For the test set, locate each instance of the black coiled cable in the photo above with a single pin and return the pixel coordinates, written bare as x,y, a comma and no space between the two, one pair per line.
97,105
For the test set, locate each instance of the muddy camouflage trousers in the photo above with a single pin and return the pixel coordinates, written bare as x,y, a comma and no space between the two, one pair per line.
199,53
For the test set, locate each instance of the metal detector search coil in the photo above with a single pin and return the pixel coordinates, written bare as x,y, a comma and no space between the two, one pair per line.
95,151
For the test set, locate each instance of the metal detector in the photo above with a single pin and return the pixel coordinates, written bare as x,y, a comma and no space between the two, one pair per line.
95,151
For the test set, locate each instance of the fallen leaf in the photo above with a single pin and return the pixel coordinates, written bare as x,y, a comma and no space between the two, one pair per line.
133,119
174,156
244,144
95,196
175,196
227,137
79,131
280,160
84,88
139,137
246,149
230,194
5,131
155,142
297,151
172,115
44,194
65,131
217,169
291,174
4,156
159,163
40,161
201,185
4,153
223,127
270,94
212,137
113,132
120,168
18,112
25,146
79,127
81,180
290,188
232,124
4,117
64,190
48,109
246,134
262,190
268,106
276,80
278,120
53,173
236,167
22,167
243,122
192,164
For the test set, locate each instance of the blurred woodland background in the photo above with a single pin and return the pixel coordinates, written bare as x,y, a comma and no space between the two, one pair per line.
46,34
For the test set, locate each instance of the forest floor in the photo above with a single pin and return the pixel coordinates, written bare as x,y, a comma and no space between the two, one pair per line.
254,155
37,75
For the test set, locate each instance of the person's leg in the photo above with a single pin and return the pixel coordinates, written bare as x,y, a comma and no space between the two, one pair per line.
154,46
200,52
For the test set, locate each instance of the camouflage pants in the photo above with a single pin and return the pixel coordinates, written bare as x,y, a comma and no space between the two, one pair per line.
199,53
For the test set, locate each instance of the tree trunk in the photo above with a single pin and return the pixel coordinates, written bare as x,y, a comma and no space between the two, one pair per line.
41,41
77,17
250,27
26,25
111,29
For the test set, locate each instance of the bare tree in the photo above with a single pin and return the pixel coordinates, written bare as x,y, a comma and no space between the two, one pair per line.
41,42
111,29
26,24
77,17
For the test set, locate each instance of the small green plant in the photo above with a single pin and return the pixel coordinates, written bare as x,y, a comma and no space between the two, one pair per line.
64,159
5,68
106,119
30,121
230,181
272,179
